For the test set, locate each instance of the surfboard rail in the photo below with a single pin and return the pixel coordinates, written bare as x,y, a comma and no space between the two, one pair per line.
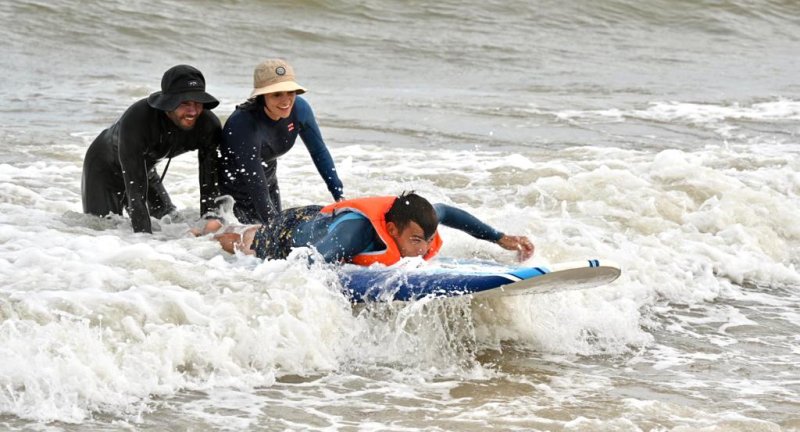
377,283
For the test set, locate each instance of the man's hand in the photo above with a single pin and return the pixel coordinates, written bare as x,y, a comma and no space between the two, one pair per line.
521,244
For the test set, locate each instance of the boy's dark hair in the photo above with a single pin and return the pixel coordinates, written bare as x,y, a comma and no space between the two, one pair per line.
410,207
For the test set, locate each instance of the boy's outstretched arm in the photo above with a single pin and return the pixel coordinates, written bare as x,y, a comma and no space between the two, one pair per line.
461,220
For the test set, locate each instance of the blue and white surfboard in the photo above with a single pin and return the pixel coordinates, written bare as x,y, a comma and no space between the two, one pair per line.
480,280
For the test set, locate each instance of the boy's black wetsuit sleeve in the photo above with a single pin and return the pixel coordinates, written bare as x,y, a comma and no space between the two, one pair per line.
459,219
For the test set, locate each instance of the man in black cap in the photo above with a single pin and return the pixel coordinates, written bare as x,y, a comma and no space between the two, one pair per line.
119,167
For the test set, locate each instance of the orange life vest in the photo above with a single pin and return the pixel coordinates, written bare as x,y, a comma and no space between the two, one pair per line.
374,209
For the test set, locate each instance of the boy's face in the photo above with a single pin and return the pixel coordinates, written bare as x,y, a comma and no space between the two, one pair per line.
410,240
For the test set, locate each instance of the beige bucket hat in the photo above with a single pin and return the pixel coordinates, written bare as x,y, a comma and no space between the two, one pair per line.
274,75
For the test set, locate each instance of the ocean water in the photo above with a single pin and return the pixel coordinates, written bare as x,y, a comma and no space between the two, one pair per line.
661,134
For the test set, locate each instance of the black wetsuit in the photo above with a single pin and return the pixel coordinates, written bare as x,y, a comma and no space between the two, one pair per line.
252,143
119,167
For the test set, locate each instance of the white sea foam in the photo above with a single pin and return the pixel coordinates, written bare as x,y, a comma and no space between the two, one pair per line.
670,111
671,149
96,318
724,119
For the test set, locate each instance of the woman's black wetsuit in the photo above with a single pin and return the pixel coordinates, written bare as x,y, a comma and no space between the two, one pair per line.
119,167
253,142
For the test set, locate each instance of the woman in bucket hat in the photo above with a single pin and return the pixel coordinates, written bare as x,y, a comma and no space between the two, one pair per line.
119,167
261,130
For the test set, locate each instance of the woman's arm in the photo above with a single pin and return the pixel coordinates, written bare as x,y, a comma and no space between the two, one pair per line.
312,138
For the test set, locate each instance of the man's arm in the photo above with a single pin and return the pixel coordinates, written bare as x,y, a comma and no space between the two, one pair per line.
132,149
159,204
461,220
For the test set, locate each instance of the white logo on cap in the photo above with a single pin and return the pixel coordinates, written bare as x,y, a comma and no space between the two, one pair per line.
280,70
193,83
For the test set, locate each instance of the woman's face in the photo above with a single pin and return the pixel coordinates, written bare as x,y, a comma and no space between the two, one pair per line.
279,105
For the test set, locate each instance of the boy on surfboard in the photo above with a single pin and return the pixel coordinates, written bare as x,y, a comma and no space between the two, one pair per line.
364,231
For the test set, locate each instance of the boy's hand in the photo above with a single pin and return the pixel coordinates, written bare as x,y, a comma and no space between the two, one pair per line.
521,244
